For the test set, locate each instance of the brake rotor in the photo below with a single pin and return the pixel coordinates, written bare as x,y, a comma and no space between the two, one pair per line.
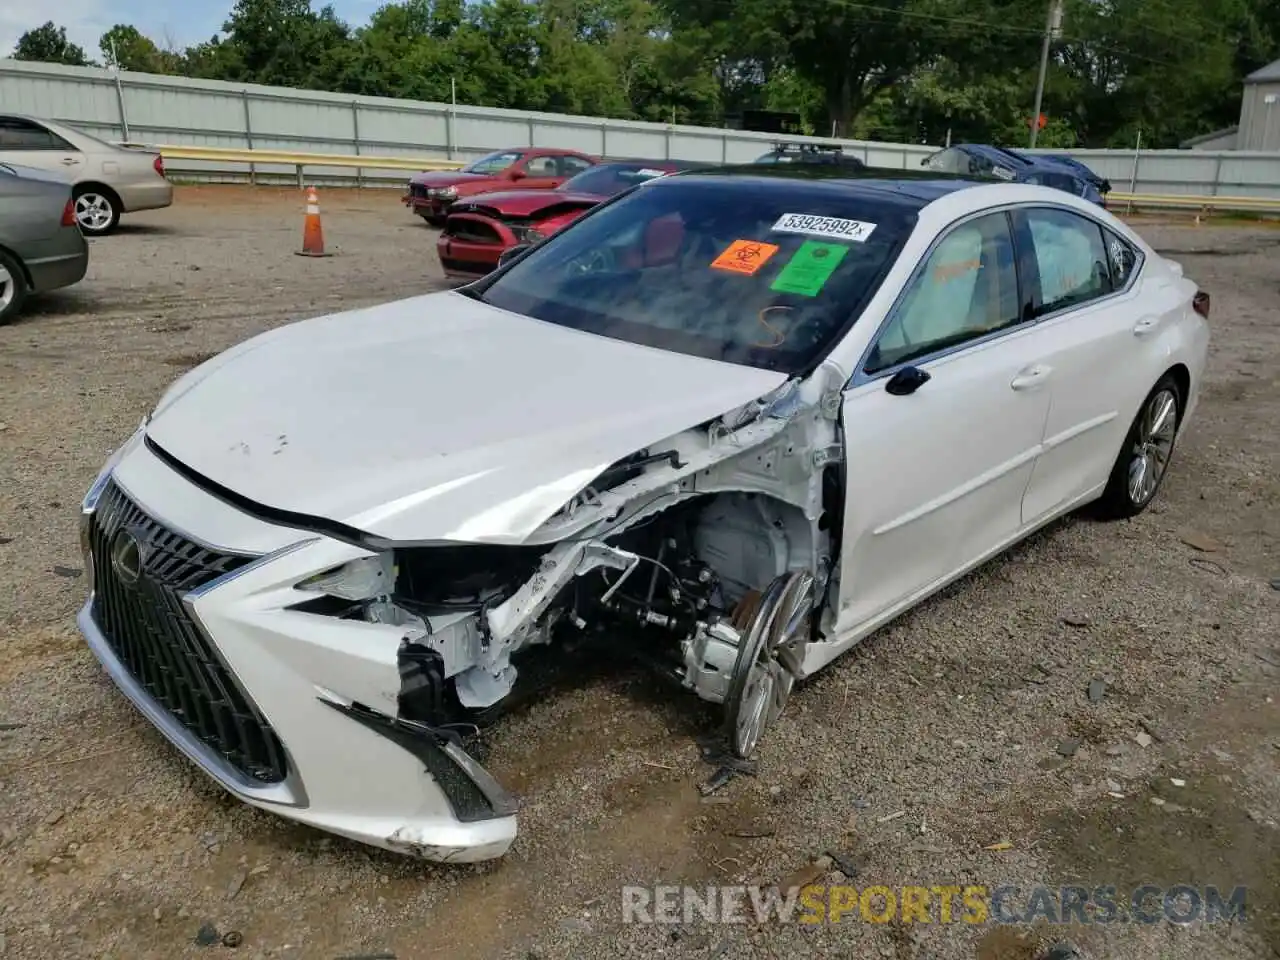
763,673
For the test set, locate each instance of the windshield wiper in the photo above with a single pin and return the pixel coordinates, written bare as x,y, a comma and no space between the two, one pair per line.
471,293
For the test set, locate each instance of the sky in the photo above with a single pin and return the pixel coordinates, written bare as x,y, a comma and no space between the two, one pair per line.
176,22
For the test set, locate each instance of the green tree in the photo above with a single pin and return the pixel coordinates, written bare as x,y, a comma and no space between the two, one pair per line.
285,43
124,47
904,70
49,44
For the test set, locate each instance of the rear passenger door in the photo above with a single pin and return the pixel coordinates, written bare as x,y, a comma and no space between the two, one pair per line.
28,143
541,173
1085,303
570,166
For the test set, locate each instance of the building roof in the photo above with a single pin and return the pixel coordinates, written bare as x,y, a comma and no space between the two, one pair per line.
1206,137
1265,75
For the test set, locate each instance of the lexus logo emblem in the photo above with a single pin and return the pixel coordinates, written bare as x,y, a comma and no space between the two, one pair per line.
126,557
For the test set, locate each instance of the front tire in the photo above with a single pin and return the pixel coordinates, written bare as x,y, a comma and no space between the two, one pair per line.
1144,457
97,210
13,287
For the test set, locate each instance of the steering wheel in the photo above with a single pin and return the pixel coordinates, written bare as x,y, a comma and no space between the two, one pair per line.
597,260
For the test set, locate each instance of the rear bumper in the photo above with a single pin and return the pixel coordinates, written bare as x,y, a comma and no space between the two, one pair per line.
59,262
147,195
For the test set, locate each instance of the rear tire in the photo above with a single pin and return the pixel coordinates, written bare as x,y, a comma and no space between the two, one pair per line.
13,287
1143,461
97,210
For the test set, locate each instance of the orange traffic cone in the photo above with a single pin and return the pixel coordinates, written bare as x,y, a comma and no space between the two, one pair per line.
312,234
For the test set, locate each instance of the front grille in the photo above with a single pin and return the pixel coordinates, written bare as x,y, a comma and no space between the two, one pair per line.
149,629
472,231
418,191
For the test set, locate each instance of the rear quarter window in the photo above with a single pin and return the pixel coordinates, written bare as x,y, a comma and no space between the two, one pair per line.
1123,258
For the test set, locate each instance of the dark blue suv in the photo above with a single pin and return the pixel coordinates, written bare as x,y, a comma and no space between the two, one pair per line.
1061,173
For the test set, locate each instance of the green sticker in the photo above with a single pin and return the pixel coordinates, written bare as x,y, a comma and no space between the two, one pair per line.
809,268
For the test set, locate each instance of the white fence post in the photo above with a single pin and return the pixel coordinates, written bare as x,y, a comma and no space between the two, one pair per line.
355,139
124,119
248,136
1133,177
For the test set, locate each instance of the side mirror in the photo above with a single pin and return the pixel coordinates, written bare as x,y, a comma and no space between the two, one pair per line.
906,381
513,253
517,175
924,162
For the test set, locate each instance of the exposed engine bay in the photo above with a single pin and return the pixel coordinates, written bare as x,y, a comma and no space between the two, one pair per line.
708,557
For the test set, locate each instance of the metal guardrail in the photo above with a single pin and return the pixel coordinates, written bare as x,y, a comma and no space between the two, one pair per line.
299,161
1206,204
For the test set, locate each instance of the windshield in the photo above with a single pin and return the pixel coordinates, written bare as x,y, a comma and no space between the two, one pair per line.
959,161
610,179
493,163
954,160
763,272
1059,181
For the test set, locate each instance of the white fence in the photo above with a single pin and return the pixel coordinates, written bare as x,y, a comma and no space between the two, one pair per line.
158,109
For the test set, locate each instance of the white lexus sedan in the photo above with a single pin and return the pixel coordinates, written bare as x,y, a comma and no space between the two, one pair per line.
730,422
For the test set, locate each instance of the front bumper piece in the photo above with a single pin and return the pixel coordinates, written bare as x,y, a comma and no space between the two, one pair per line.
249,691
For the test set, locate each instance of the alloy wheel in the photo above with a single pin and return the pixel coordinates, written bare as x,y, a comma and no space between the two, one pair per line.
93,212
1153,446
8,288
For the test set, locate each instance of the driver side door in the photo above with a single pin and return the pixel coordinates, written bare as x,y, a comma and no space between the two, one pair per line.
935,476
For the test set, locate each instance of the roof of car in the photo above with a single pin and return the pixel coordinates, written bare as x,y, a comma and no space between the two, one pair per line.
546,151
905,187
664,164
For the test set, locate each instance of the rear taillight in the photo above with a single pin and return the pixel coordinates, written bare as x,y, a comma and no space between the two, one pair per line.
159,164
69,214
1200,304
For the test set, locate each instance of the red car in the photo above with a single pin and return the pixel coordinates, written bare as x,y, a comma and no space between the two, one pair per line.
480,228
431,194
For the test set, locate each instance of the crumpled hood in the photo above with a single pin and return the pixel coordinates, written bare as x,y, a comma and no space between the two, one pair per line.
523,203
434,418
451,178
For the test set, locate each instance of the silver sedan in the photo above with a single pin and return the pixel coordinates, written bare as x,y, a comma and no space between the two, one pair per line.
107,180
41,246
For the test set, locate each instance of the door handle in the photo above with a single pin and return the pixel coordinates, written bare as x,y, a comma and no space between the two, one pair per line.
1031,376
1145,325
69,161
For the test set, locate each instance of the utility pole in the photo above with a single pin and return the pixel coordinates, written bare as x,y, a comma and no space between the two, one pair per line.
1052,25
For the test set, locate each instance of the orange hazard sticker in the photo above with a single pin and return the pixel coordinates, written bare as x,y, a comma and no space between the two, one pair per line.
744,256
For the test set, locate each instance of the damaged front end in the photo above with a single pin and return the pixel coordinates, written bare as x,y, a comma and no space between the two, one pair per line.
707,556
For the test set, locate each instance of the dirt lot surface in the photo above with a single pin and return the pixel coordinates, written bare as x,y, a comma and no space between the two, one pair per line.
970,724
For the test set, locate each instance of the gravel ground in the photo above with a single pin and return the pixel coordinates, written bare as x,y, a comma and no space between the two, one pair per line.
961,715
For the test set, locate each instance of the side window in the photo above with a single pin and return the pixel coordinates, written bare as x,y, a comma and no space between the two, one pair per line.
572,166
18,134
1124,260
542,167
967,288
1070,259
